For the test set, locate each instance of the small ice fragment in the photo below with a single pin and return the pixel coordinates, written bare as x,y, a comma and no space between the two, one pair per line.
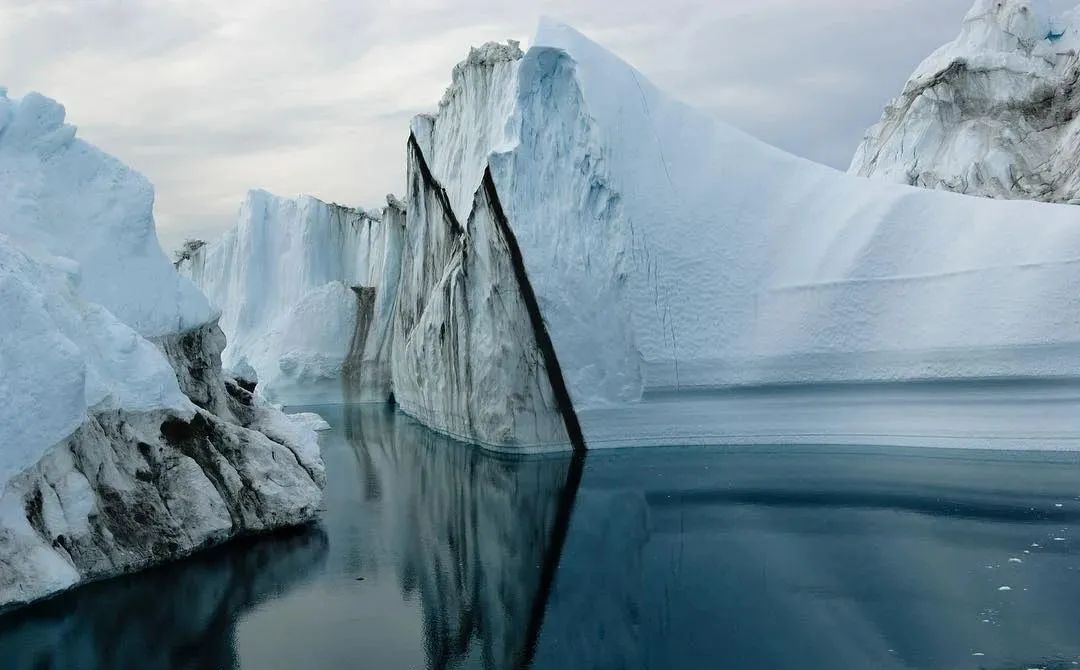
1015,560
1058,505
1059,539
1004,588
1035,544
978,653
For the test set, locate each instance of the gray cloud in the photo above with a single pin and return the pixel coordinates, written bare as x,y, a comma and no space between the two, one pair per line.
210,98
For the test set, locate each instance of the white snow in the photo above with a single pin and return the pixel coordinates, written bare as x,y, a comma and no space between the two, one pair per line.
283,278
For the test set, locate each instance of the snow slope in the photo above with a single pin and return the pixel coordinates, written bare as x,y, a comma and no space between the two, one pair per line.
288,278
993,113
671,251
121,444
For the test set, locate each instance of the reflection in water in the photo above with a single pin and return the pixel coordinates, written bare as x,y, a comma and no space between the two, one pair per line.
175,616
440,555
479,534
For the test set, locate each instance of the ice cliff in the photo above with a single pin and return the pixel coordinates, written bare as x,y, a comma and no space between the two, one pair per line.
993,113
122,442
305,290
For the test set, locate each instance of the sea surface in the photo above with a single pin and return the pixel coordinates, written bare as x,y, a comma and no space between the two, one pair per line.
434,554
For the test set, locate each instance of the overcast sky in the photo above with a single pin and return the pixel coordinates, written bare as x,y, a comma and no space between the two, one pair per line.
211,97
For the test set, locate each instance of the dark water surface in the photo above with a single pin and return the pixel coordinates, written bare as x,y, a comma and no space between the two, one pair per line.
432,554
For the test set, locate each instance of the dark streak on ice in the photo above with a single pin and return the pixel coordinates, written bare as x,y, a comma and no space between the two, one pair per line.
543,339
431,182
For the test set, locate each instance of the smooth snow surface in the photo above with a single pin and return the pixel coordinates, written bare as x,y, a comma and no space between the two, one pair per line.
993,113
743,264
287,279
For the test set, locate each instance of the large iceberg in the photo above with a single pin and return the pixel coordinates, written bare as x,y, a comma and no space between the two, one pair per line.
123,443
669,252
993,113
305,290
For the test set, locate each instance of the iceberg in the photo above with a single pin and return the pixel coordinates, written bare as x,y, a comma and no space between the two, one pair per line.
993,113
124,444
671,253
305,290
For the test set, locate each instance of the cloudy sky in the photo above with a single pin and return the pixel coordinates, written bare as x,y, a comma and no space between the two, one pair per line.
209,98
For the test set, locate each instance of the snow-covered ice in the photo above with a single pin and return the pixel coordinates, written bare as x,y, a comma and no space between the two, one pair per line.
61,357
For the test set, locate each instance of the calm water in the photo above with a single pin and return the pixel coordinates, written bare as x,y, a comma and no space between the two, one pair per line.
430,554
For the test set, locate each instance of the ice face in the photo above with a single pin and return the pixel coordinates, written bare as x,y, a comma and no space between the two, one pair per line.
1004,25
286,279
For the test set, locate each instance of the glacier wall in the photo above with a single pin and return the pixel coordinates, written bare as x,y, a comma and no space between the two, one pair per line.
289,264
992,113
122,444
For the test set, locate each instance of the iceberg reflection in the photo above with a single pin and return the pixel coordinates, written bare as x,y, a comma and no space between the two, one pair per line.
179,615
479,534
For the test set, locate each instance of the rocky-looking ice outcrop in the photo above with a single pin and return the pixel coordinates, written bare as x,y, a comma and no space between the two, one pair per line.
472,357
993,113
121,443
305,290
